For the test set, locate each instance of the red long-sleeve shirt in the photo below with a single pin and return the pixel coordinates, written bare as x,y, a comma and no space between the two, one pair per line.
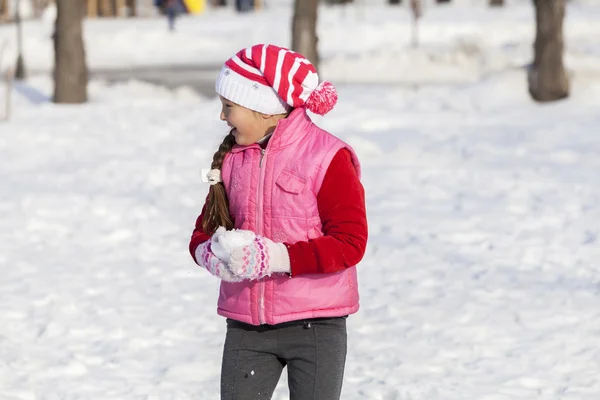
341,203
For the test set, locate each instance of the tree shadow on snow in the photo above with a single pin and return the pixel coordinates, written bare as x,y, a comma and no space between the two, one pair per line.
33,95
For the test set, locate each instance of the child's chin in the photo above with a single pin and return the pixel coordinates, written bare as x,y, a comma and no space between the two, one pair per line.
242,141
239,140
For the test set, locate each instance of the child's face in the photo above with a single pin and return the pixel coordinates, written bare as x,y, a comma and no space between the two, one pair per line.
247,125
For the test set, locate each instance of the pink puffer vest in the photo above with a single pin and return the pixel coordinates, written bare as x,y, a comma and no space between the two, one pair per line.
273,192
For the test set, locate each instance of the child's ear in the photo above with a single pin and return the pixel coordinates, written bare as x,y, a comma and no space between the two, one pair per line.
266,116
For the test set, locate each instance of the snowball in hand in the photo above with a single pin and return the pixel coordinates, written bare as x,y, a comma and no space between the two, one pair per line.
224,242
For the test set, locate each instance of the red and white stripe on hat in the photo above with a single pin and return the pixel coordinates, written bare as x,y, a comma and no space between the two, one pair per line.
271,80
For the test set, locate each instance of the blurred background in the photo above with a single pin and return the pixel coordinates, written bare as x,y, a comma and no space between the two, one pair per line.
477,126
426,41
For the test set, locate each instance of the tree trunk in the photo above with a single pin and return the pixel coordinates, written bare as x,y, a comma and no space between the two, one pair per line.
304,30
92,8
498,3
120,6
70,70
548,79
417,12
132,8
4,10
106,8
20,72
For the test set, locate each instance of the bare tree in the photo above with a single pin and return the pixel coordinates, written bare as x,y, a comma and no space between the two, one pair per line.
70,70
132,7
548,79
20,72
4,11
417,12
304,30
92,8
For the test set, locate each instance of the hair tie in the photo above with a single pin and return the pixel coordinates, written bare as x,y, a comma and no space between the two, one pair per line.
211,176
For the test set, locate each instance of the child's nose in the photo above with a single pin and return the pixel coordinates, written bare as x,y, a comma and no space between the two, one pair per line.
222,116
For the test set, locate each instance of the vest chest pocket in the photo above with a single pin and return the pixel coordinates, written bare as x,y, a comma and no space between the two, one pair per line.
290,183
294,201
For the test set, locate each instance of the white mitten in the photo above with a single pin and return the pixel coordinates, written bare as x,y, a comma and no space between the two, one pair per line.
207,259
224,242
260,258
250,256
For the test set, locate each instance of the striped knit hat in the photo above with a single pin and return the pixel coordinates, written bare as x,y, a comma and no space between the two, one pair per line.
272,80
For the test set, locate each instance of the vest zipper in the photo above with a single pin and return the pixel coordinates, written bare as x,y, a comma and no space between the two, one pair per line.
259,228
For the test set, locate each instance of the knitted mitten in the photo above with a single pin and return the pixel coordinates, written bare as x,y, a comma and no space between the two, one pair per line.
258,259
206,258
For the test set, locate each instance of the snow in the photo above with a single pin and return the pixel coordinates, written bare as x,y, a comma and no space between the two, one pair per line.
481,278
225,242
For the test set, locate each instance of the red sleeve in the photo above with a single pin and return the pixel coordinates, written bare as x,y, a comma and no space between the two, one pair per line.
341,202
198,236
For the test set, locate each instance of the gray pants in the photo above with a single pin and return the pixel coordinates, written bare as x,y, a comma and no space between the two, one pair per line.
313,350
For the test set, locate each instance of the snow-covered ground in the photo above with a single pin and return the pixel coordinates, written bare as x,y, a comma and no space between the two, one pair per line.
482,276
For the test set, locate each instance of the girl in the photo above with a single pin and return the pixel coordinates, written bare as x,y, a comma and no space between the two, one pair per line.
283,227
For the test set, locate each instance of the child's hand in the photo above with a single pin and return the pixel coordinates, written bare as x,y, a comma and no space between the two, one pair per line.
249,256
260,258
224,242
207,259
